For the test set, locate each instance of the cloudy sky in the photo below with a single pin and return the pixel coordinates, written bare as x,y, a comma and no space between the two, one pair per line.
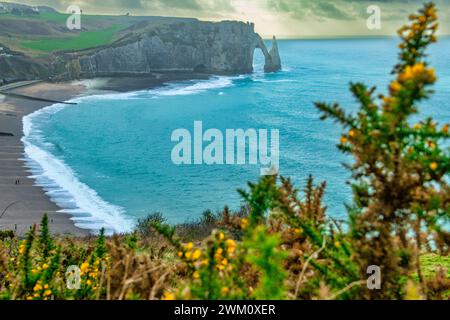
284,18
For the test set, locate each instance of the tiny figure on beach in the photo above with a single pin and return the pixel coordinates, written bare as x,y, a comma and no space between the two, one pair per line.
17,181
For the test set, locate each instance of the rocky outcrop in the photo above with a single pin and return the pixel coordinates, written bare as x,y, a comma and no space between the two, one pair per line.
274,62
272,57
15,66
202,47
24,10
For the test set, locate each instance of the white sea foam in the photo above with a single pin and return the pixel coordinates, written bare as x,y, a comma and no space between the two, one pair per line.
88,209
91,84
197,87
173,89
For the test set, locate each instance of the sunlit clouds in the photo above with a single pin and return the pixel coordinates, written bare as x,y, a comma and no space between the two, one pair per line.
284,18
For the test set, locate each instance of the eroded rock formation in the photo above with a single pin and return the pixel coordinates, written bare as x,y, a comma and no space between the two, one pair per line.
202,47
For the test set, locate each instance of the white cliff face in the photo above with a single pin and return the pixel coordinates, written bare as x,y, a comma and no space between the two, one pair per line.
202,47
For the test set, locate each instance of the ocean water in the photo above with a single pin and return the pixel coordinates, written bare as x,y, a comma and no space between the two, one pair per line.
107,160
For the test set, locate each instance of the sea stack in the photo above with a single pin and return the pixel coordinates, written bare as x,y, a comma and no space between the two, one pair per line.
273,63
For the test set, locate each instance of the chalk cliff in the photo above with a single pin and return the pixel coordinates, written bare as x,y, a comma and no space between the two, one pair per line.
194,46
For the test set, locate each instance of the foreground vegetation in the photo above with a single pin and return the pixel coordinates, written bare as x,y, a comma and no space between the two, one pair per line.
281,244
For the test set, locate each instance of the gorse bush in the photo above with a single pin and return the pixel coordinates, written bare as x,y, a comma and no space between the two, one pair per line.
281,244
40,267
401,196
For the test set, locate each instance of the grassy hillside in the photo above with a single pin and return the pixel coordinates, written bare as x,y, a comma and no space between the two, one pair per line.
83,40
40,34
52,17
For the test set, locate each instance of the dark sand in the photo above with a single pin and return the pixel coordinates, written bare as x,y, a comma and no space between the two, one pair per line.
25,203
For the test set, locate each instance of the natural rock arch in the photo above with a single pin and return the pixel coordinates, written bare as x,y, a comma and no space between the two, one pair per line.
272,57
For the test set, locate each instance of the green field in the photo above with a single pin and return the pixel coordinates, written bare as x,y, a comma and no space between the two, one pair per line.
84,40
56,17
51,17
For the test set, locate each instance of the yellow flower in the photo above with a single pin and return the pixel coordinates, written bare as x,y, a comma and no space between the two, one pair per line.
197,253
47,292
406,75
33,271
189,246
46,286
22,248
231,246
431,144
88,282
188,254
230,243
417,126
224,262
224,290
204,262
344,139
445,128
431,75
221,236
37,287
220,267
84,267
433,166
352,133
395,86
431,12
168,296
244,223
180,254
337,244
387,101
45,266
297,231
417,71
196,275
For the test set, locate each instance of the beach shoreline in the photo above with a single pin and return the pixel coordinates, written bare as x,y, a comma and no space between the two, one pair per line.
22,201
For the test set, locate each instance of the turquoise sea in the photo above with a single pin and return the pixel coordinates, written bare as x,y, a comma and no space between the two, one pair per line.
107,160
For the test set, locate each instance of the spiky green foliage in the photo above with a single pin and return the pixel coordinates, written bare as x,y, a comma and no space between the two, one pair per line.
401,194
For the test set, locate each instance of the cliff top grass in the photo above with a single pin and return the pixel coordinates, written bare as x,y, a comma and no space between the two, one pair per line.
83,40
40,34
